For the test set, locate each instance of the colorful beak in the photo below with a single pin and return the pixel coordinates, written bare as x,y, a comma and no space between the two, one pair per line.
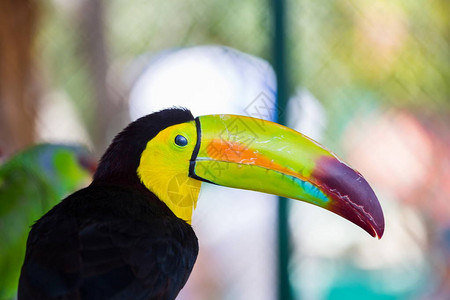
253,154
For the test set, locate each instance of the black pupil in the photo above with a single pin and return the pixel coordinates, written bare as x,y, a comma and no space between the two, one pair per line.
181,140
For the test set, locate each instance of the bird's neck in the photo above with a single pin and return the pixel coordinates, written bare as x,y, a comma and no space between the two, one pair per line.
118,166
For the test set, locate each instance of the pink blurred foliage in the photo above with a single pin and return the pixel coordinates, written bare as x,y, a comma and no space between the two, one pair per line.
405,156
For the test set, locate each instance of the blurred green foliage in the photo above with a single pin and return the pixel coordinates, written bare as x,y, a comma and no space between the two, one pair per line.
398,49
31,183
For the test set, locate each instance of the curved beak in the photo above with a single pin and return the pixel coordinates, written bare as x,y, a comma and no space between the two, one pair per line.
253,154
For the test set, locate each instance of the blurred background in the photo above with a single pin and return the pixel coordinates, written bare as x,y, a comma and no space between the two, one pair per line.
370,80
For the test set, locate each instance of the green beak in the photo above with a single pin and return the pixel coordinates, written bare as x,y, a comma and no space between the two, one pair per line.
253,154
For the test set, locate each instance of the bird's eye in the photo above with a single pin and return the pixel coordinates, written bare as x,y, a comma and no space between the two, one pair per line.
181,141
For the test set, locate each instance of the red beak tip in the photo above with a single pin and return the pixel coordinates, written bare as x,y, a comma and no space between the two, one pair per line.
354,199
378,232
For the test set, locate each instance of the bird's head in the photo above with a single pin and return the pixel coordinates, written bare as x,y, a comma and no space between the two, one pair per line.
171,153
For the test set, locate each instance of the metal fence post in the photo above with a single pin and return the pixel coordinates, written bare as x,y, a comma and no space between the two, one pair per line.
279,59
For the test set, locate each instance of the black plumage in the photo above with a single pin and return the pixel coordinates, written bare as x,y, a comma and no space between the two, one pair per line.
114,239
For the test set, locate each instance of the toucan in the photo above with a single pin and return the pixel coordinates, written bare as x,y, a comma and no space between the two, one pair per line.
128,235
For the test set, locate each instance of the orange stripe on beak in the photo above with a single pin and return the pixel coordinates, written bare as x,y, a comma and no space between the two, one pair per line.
222,150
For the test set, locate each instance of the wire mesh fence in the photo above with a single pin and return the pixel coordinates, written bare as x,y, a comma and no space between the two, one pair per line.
369,80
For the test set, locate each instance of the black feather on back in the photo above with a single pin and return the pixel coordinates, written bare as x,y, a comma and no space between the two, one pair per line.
108,243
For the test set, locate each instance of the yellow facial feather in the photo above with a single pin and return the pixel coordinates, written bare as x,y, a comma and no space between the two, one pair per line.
164,169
